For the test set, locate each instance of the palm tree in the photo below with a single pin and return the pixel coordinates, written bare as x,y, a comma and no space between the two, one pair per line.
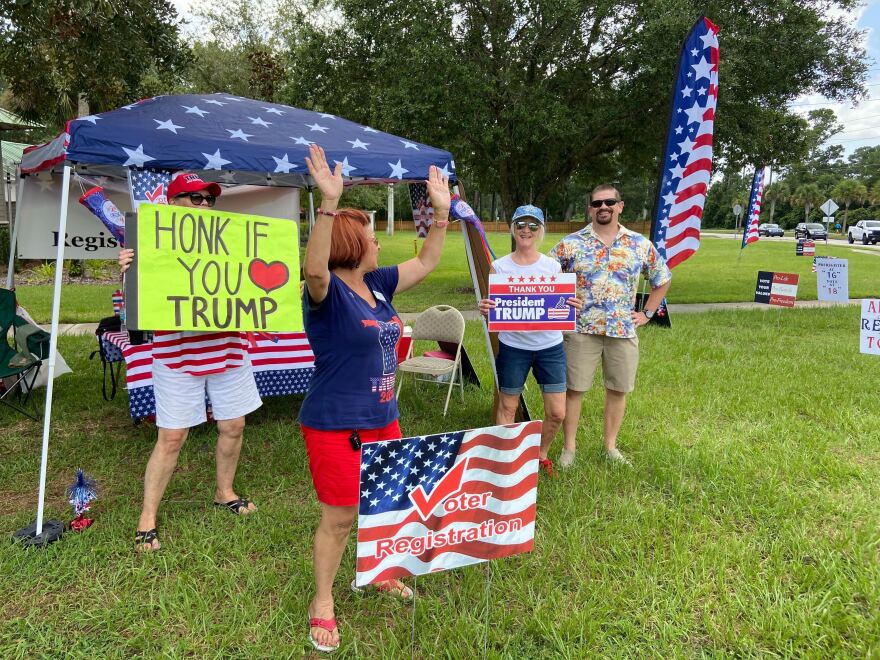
849,191
807,195
776,192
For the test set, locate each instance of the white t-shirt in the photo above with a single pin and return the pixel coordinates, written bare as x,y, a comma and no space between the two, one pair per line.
539,339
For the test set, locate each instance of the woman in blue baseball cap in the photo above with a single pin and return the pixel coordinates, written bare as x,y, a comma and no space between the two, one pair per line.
539,351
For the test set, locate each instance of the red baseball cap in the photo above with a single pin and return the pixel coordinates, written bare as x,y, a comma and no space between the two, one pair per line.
187,182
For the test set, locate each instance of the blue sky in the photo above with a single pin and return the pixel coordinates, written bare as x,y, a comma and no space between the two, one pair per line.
861,124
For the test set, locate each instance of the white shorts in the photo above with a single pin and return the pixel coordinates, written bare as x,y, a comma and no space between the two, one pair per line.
180,397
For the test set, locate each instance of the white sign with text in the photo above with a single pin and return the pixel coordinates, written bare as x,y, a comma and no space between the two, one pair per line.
832,278
869,327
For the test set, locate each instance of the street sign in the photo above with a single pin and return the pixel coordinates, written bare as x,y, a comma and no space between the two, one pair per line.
828,218
829,207
737,209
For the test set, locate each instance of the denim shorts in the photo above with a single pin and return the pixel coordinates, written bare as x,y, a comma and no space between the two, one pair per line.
513,366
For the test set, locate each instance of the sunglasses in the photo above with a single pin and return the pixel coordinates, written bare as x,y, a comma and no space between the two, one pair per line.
597,203
198,198
522,224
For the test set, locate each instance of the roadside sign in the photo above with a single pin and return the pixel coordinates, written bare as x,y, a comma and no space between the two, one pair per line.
828,218
805,248
779,289
869,327
737,209
832,278
829,207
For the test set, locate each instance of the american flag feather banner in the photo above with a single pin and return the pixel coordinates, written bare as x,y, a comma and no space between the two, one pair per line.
423,212
437,502
753,216
687,159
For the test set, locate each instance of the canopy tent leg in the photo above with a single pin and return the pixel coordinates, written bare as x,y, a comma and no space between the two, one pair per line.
13,237
390,208
53,528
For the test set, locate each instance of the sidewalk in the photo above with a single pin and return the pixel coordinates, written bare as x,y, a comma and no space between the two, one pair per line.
473,315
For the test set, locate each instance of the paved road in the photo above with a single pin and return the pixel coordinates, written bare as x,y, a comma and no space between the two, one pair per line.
836,242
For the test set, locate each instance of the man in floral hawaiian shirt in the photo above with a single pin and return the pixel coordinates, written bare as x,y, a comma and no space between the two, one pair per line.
607,259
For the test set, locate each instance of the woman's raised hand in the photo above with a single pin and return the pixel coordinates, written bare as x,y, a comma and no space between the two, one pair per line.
126,256
438,191
329,182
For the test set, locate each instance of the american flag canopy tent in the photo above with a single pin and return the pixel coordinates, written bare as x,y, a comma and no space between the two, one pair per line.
227,133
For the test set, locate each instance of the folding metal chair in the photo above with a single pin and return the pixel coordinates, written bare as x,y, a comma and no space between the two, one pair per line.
438,323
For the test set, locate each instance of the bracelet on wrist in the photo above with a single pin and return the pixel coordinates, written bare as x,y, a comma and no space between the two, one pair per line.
329,214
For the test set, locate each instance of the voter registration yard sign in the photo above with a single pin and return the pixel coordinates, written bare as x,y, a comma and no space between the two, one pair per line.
869,327
778,289
532,302
206,269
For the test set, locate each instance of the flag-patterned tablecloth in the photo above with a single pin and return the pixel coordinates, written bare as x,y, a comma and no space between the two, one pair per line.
282,367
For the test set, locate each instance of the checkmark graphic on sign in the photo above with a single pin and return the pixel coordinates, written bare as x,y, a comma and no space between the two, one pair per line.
268,276
447,486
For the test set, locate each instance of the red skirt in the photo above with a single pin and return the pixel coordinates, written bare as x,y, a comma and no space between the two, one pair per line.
335,466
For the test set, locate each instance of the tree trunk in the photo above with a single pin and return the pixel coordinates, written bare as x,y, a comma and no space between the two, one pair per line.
845,216
772,209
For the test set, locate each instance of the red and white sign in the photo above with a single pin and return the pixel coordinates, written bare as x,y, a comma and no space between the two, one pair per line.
437,502
526,303
783,289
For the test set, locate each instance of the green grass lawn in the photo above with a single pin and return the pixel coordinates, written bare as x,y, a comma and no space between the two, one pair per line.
719,272
747,526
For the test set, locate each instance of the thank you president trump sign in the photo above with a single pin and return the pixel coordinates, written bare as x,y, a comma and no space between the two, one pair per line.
532,302
205,269
436,502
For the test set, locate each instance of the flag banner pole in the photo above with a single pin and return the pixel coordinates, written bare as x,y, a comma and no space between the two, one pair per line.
753,214
412,637
13,238
487,616
686,158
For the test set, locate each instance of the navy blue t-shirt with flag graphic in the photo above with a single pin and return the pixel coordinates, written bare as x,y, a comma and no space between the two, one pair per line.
355,347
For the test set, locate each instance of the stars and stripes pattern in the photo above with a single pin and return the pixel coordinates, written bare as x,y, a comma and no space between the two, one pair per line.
280,368
150,186
561,310
406,525
118,301
753,215
423,212
687,161
233,133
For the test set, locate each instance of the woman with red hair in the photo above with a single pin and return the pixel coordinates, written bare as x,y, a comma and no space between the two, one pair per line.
353,331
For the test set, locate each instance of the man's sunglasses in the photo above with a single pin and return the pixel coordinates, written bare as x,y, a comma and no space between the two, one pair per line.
522,224
198,198
597,203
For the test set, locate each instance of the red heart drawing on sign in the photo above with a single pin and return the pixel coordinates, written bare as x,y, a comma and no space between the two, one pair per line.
268,276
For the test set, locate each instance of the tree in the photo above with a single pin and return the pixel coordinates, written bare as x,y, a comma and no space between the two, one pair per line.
776,192
847,192
864,164
529,93
809,196
56,53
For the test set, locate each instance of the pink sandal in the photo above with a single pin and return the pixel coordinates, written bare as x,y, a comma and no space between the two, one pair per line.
327,624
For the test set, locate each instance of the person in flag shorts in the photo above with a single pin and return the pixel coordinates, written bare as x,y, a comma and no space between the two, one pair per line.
539,351
186,366
607,259
353,330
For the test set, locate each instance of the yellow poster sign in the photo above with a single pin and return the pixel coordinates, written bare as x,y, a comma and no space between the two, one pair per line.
207,269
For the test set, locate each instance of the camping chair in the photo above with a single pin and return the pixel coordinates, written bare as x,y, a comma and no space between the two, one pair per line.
438,323
21,366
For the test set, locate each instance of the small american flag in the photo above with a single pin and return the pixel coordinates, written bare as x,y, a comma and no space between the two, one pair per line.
436,502
423,212
753,217
687,161
559,311
148,186
117,299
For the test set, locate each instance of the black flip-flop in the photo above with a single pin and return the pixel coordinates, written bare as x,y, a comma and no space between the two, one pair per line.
235,505
142,538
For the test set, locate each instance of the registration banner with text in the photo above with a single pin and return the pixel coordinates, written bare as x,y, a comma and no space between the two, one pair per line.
207,269
532,302
437,502
869,327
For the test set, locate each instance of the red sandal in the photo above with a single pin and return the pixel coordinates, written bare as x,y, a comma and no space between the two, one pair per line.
327,624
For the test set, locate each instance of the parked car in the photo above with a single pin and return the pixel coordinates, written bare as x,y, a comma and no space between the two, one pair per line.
811,230
770,229
866,231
